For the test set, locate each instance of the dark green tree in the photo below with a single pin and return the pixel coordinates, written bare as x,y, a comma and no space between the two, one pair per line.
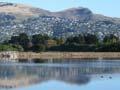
39,39
91,39
22,40
76,40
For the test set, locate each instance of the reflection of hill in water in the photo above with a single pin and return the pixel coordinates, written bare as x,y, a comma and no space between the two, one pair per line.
12,76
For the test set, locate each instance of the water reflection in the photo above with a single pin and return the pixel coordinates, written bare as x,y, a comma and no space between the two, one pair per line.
79,73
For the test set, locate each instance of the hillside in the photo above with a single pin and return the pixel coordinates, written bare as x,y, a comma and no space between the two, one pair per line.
18,18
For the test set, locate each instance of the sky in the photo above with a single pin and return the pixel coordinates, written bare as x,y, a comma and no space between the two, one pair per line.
104,7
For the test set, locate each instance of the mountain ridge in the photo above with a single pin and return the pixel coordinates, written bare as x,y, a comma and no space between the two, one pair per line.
27,10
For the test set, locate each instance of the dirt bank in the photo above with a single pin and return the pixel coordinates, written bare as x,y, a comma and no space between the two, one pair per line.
67,55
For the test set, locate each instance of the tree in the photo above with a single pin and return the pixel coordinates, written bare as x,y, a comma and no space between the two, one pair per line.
39,39
23,40
110,39
91,39
79,39
14,40
69,40
76,40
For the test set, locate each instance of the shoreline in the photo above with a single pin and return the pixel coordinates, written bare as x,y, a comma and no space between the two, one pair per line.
59,55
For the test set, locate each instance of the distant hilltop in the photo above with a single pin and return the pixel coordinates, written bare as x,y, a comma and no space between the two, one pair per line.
6,4
18,18
79,13
24,10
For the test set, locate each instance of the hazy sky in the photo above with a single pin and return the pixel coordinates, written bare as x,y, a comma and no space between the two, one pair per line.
105,7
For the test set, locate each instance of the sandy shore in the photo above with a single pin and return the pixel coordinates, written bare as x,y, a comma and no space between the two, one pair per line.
62,55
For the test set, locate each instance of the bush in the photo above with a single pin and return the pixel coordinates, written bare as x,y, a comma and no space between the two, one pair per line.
109,48
10,47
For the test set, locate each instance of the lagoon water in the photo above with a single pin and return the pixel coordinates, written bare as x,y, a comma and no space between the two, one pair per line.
61,75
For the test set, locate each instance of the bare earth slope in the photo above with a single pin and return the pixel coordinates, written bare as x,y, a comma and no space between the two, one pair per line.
79,13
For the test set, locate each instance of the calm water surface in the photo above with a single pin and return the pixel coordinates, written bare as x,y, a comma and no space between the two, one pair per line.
61,75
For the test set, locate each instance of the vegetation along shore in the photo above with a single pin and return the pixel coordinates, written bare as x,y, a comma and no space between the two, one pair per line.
77,43
82,46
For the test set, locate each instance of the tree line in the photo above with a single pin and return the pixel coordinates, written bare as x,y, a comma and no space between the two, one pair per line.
78,43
